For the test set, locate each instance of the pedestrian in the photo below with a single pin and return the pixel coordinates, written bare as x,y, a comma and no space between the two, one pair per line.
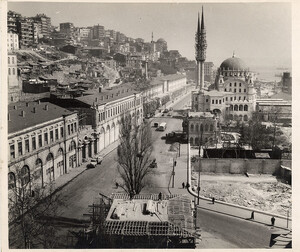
252,215
117,185
273,220
182,185
213,200
187,185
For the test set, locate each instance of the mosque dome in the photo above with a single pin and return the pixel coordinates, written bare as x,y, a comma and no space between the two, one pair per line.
233,63
161,40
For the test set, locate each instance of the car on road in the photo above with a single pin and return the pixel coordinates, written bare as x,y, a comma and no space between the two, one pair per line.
92,163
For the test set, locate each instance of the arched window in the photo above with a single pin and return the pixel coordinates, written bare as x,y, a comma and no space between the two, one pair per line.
13,70
60,152
72,146
236,107
197,141
231,108
240,118
197,127
246,108
206,127
191,140
8,60
201,128
25,175
245,118
49,157
11,180
9,71
240,107
235,117
192,127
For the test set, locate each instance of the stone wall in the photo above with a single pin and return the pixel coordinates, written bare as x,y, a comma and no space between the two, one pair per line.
238,166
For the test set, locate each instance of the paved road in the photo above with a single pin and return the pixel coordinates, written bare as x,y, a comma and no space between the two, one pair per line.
237,232
224,231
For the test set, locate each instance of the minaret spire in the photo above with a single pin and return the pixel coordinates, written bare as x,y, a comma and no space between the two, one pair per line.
152,37
200,47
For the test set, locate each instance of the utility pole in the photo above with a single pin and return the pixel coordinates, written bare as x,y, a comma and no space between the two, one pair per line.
198,188
173,172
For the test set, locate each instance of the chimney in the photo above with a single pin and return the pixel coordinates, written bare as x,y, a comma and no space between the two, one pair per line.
8,116
27,104
23,113
34,109
46,107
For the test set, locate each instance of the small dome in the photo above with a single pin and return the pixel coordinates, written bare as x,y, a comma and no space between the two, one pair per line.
233,63
161,40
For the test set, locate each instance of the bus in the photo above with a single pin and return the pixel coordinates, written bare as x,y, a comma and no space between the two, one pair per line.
162,126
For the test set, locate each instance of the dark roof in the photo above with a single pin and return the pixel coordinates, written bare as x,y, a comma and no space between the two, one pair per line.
233,63
101,98
17,122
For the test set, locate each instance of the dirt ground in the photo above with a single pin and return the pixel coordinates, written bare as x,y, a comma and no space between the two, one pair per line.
262,192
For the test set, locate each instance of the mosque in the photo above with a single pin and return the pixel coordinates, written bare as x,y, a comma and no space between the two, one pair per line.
232,97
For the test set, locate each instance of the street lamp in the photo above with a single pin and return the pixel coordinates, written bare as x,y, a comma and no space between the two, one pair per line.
173,172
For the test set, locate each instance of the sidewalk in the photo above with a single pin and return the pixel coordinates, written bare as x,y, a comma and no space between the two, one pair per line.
65,179
182,175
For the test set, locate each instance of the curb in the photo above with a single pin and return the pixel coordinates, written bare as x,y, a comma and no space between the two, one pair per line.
67,182
224,203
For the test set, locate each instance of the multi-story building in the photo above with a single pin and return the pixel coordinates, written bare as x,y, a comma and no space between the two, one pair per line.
98,32
42,143
12,18
287,82
121,38
12,70
12,41
84,34
202,128
67,28
26,32
44,24
99,116
112,34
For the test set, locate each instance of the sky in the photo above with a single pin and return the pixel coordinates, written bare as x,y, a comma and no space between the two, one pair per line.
259,33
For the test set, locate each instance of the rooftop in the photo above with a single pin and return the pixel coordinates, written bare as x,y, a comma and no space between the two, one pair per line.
28,114
201,114
107,95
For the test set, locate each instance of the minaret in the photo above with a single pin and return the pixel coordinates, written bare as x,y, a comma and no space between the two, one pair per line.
200,52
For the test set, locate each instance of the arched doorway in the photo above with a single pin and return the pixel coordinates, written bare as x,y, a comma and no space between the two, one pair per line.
11,181
38,172
107,136
49,167
25,178
102,139
72,155
112,133
60,162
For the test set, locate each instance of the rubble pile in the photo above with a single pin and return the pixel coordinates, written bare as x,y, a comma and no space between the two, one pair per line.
274,197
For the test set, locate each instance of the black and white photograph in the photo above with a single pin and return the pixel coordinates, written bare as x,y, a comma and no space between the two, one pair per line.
147,125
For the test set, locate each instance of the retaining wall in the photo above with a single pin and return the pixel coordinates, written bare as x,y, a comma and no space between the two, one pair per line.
238,165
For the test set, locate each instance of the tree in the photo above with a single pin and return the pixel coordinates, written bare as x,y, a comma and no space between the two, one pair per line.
31,209
134,153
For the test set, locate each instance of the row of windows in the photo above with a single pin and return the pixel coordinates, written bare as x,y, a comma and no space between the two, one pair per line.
12,72
234,90
12,58
116,110
235,84
23,148
238,108
72,128
205,128
219,101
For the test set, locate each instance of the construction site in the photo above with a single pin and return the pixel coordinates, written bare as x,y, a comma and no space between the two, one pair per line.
145,221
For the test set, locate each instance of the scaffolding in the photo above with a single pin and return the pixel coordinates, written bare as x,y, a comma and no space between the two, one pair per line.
176,232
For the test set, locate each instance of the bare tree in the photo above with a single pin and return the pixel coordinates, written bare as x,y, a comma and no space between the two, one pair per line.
31,208
134,155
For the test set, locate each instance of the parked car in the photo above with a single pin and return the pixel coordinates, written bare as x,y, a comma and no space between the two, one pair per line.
92,163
